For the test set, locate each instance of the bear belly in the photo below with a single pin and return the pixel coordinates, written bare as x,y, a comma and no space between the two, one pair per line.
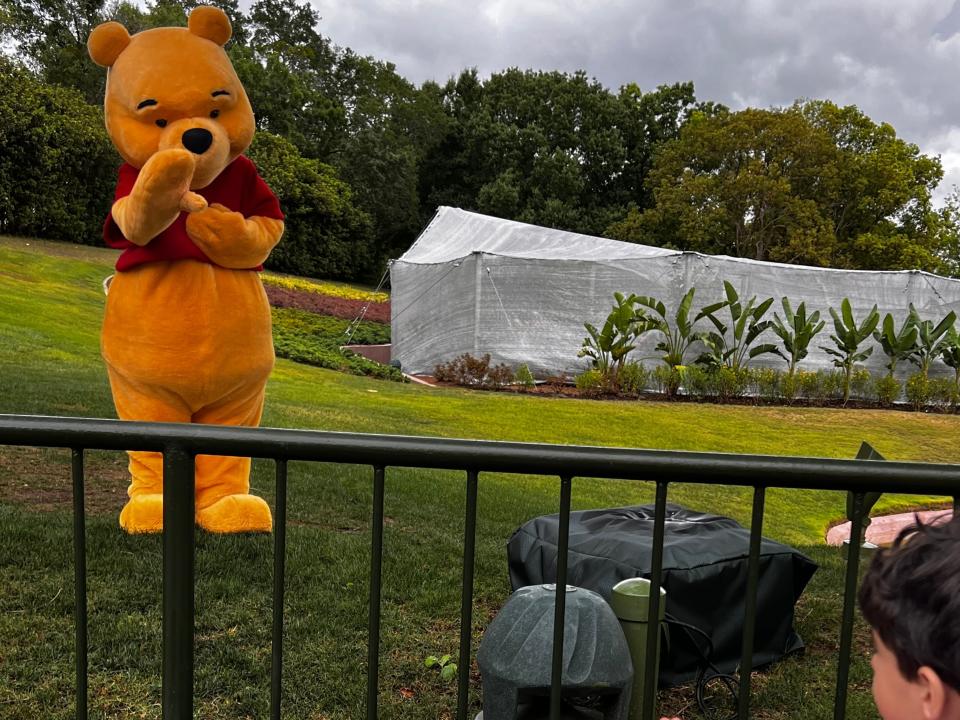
190,328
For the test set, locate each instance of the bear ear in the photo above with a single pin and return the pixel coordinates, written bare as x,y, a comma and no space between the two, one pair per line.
210,23
106,42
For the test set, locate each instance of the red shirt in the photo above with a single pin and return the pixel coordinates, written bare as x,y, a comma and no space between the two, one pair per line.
239,187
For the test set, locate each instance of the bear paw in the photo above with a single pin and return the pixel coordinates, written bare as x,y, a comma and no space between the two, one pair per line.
236,514
143,514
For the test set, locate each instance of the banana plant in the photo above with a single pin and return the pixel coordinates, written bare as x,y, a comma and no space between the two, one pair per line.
929,337
848,337
747,325
897,345
950,354
796,331
608,348
677,338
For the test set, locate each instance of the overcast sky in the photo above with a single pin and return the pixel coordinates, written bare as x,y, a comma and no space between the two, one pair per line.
897,60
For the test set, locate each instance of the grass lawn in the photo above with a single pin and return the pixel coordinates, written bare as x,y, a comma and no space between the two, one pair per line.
50,311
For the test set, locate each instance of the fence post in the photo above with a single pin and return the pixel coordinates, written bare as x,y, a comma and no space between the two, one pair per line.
849,601
80,580
178,577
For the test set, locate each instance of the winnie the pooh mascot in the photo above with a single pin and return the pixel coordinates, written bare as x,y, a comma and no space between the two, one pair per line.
186,334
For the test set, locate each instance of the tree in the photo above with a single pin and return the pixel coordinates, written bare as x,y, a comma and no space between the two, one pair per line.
814,184
550,148
283,68
50,37
877,193
326,234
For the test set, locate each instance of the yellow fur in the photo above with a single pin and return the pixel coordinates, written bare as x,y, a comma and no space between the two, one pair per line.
208,361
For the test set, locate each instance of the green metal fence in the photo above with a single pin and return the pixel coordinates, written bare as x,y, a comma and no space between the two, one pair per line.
180,444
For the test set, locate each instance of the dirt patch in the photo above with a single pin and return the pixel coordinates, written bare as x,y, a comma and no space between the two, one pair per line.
327,304
41,479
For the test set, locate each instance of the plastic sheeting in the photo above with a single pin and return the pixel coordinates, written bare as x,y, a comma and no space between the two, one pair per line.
478,284
705,565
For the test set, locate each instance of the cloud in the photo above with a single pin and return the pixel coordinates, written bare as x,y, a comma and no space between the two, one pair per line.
895,60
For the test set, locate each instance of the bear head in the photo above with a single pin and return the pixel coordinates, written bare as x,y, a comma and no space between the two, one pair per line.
174,88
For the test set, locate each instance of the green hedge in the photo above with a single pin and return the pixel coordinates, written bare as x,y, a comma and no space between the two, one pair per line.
316,339
57,165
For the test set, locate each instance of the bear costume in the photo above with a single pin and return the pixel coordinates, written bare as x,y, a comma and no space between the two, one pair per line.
186,333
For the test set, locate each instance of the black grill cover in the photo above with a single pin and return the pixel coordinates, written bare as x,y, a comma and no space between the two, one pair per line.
705,561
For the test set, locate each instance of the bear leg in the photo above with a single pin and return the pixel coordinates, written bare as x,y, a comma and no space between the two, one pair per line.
224,503
135,401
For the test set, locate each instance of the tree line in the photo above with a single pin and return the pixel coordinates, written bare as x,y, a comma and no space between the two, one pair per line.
360,157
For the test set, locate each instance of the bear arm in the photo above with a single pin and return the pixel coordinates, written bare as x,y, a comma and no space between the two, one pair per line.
139,222
154,202
232,241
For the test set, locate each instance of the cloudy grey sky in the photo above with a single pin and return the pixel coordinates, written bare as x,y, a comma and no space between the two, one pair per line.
897,60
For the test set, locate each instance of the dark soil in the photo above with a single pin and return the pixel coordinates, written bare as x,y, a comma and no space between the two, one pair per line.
40,478
327,304
551,389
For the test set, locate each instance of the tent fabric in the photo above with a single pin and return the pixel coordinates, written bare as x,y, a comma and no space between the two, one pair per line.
478,284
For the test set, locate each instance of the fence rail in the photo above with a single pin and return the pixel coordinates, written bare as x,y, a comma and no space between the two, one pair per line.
180,444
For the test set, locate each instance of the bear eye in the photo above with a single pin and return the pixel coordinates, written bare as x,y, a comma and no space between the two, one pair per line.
214,113
161,123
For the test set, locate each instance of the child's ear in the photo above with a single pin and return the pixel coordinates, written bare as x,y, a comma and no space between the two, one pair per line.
936,697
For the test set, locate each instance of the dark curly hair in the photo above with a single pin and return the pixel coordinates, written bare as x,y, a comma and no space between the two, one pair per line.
910,595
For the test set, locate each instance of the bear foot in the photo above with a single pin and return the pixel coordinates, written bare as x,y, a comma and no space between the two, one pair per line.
236,514
143,514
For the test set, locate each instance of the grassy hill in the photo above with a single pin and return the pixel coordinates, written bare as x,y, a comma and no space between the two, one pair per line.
51,304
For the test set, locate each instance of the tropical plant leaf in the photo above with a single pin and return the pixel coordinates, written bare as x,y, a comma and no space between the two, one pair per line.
763,349
847,311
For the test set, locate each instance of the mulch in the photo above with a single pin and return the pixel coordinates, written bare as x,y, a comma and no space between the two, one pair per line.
327,304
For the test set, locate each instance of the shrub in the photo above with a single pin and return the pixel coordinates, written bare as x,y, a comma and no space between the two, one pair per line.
808,384
861,383
499,376
58,167
315,340
790,386
887,390
524,378
590,383
834,385
633,378
556,382
766,383
667,379
942,392
697,382
730,383
917,390
475,372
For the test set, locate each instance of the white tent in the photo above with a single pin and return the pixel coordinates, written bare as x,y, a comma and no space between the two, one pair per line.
477,284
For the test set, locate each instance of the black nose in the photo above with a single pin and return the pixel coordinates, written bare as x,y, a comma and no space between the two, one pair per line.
197,140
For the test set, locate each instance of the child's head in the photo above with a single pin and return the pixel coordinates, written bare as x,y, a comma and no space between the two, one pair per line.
911,597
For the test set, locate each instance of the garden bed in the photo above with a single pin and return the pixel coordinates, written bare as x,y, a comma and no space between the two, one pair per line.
339,307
